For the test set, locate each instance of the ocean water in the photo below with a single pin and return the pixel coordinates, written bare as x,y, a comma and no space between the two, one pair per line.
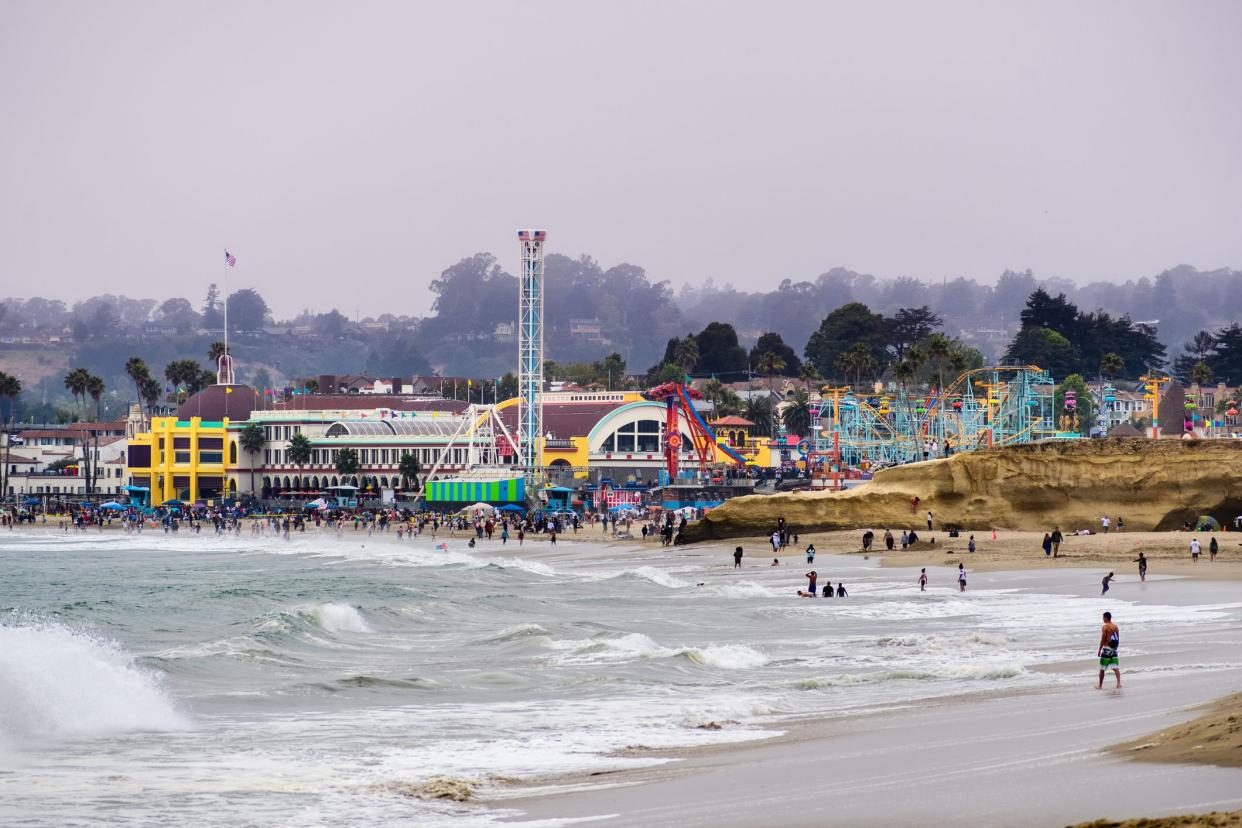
241,680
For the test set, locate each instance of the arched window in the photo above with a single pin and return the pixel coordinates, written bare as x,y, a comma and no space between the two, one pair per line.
233,453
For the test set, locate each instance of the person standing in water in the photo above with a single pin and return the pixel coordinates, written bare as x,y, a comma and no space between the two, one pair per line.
1110,640
810,582
1141,560
810,553
1108,579
923,580
961,577
737,558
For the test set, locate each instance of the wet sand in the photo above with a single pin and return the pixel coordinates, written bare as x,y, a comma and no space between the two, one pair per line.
1168,553
1028,757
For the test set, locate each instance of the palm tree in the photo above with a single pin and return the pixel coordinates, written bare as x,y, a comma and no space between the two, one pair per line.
299,451
797,414
346,463
75,383
138,372
95,388
859,360
252,439
1112,366
10,387
686,354
770,364
759,411
1201,374
809,374
409,468
151,392
713,392
904,372
217,350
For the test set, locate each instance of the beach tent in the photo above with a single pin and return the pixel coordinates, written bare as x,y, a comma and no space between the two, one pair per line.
318,503
485,508
511,507
112,504
173,502
1207,523
31,501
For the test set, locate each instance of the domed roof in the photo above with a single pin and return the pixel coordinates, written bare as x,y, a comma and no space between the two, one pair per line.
215,402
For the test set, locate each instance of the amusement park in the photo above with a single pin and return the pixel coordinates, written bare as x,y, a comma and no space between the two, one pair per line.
668,447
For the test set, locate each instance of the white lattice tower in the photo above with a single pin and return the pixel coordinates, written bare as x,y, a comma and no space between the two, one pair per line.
530,351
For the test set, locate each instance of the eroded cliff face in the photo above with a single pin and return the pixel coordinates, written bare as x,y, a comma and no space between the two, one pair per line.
1151,485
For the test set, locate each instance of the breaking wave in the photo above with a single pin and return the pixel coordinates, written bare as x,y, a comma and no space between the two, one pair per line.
59,681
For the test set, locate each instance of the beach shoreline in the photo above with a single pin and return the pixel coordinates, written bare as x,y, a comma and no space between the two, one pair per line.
684,774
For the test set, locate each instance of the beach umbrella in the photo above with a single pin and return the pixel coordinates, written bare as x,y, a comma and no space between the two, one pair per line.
511,507
112,504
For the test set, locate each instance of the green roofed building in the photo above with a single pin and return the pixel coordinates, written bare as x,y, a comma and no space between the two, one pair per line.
467,490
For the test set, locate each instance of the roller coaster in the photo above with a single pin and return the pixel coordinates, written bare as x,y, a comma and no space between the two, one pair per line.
984,407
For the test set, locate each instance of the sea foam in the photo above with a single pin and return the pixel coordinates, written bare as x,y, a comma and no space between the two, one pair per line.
58,681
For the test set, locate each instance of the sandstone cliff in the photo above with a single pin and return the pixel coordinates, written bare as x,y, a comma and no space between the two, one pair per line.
1151,485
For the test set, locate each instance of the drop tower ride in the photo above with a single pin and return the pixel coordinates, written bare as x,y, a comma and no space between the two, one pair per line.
530,352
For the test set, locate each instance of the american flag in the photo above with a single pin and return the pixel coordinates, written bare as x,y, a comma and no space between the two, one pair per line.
230,259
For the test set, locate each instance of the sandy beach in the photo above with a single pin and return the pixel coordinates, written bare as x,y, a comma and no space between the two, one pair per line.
1168,553
1028,757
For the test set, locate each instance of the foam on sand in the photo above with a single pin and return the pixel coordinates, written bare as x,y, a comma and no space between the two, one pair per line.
57,681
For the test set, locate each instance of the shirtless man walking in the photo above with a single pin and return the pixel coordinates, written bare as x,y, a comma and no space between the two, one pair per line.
1110,640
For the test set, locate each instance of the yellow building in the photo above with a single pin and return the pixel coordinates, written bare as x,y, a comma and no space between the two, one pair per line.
186,460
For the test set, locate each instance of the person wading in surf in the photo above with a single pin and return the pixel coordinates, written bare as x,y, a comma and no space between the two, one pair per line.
1110,640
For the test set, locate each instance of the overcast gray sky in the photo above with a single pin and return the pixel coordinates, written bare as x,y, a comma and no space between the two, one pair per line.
348,152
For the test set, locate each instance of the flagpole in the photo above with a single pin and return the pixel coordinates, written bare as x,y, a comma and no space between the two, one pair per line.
226,308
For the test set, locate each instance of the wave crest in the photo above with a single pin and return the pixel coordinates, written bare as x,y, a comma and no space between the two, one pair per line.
59,681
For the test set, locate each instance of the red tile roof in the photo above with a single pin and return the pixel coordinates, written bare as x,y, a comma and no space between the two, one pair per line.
732,420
